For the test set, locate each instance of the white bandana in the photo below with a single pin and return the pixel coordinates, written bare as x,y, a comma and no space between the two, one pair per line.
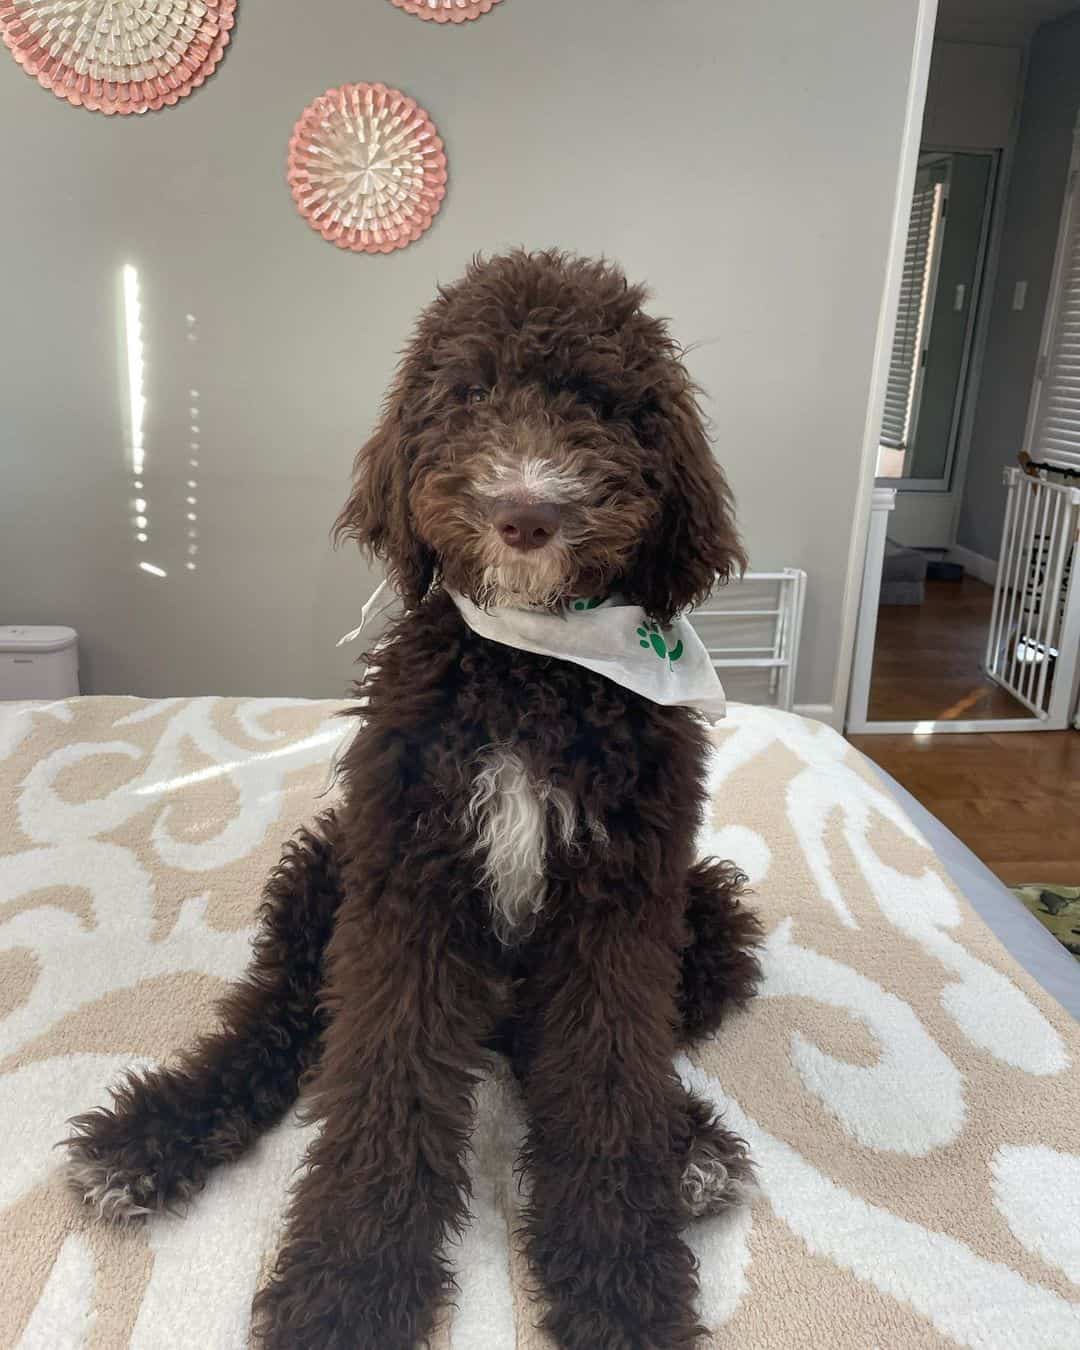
669,666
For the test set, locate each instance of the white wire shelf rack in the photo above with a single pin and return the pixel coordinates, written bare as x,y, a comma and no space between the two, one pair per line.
754,625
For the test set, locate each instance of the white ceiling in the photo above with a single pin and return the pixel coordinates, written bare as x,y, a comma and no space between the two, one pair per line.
996,21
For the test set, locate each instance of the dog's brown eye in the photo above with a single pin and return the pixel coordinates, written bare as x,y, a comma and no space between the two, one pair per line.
476,393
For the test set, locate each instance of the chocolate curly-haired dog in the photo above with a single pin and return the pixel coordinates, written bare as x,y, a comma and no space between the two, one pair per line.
511,863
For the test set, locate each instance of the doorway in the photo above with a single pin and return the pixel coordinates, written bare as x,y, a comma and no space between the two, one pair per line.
950,639
933,616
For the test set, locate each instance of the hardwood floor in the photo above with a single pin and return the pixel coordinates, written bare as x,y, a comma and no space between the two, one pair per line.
927,658
1012,797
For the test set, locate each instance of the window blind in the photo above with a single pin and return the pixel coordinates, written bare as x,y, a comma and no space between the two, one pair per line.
1054,423
910,316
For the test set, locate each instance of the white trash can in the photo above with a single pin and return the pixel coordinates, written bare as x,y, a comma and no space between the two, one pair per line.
38,662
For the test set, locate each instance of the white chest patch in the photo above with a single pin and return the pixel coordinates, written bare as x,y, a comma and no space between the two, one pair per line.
512,815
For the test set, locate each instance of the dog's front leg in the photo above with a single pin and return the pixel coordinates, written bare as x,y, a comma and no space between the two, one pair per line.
168,1127
608,1125
361,1265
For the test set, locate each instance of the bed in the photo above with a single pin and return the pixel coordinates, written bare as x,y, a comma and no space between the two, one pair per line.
908,1079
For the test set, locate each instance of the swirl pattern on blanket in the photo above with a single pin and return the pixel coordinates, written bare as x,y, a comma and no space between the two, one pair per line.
910,1095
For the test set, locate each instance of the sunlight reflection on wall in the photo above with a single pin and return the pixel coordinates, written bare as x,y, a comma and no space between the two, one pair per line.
191,501
133,348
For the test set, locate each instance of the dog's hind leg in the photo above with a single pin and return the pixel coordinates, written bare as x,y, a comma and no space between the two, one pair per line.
167,1128
720,970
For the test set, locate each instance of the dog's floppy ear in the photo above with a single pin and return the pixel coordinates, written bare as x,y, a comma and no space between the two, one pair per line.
695,545
377,513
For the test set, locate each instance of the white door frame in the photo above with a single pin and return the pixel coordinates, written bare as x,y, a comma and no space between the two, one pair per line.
922,47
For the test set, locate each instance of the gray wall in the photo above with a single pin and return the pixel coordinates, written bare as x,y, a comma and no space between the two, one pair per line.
970,95
1032,213
741,157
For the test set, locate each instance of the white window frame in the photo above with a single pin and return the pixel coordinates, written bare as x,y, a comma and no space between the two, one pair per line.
970,366
1056,294
932,263
967,379
926,317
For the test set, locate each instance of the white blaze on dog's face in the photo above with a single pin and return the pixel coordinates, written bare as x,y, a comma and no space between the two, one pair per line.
529,543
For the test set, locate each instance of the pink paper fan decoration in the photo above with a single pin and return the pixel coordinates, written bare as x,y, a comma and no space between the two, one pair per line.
366,168
118,56
446,11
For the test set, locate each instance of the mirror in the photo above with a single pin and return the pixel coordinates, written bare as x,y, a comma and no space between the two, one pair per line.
936,318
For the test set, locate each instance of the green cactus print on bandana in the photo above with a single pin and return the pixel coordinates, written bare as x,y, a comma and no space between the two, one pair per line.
651,636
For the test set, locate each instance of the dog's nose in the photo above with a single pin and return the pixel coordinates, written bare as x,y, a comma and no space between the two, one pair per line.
526,525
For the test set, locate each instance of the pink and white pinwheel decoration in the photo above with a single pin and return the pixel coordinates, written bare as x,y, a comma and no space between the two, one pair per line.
446,11
118,56
367,168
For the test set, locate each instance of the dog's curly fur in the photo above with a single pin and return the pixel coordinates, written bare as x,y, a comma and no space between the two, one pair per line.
379,971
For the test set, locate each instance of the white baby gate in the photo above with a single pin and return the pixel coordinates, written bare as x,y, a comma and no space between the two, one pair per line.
1033,645
751,627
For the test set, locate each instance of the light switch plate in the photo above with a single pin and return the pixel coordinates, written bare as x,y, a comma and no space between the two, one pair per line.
1019,295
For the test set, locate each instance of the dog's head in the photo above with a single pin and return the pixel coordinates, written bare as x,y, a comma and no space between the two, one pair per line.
542,439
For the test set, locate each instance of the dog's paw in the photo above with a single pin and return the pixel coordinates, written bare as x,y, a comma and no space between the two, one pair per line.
717,1175
322,1296
117,1174
113,1194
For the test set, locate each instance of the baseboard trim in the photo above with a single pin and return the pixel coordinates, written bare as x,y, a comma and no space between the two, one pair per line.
985,569
820,712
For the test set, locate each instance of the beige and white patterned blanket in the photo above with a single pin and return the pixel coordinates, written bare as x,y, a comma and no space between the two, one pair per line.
911,1097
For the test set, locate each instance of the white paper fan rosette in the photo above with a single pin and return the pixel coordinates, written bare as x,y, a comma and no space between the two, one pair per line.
446,11
367,168
118,56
